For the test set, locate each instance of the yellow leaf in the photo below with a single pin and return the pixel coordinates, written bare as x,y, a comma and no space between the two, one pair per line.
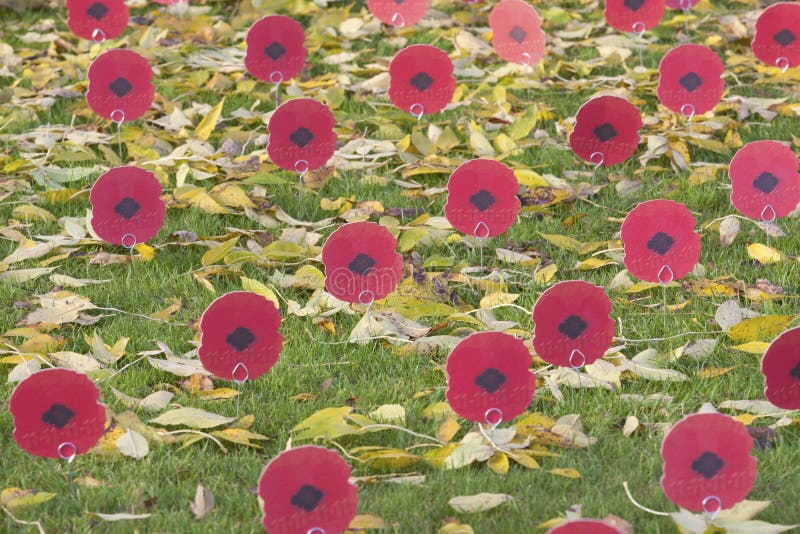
478,142
14,498
499,463
753,347
545,274
593,263
562,241
746,419
146,252
410,238
448,429
29,212
711,372
530,178
498,299
209,122
764,328
525,460
219,394
214,254
231,195
565,472
456,528
248,284
366,521
764,254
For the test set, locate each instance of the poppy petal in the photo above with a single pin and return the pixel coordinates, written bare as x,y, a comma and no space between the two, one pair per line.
97,20
606,130
276,49
301,136
583,526
398,14
684,5
421,80
120,85
781,369
690,80
765,180
635,16
517,34
777,38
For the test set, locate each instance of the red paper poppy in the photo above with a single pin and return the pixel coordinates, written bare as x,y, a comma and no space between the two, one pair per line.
482,198
127,206
120,85
517,34
606,130
660,242
97,20
421,80
240,339
684,5
765,181
635,16
777,37
275,49
398,13
56,414
781,368
707,463
361,262
583,526
307,490
573,327
301,136
489,378
690,80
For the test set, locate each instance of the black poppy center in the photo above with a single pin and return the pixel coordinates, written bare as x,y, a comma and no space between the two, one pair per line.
490,380
691,81
398,2
97,11
301,137
785,37
572,326
605,131
120,87
361,264
421,81
707,465
127,207
58,415
660,243
633,5
307,497
275,50
795,372
518,34
483,200
240,339
766,182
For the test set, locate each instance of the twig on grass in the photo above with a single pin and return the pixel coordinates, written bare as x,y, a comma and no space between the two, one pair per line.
639,506
23,522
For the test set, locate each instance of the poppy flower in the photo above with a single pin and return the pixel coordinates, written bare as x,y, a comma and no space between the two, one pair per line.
361,262
707,463
781,368
765,181
56,413
306,490
400,13
635,16
421,80
583,526
573,327
777,38
120,85
517,34
301,136
240,339
690,80
606,130
684,5
660,242
482,198
489,378
97,20
275,49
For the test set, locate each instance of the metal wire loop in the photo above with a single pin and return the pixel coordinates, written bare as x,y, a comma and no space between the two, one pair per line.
639,28
661,276
481,230
687,110
768,214
236,368
572,361
597,158
276,77
416,110
128,237
715,512
67,456
301,166
366,297
398,20
117,116
783,64
98,35
498,417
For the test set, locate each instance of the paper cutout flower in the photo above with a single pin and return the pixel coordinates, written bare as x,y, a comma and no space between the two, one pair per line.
126,206
421,80
517,34
307,488
583,526
361,262
482,198
777,38
97,20
660,242
398,14
301,136
573,327
765,180
690,80
685,5
781,368
276,49
240,338
707,462
606,130
489,378
636,16
120,85
56,414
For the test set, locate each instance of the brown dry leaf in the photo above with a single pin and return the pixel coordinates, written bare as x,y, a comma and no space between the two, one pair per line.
203,502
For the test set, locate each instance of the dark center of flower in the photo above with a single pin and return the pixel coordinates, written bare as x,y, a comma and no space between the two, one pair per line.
421,81
766,182
785,37
572,326
634,5
707,465
660,243
240,339
482,200
275,50
120,87
97,11
605,131
398,2
58,415
518,34
795,372
361,264
301,137
691,81
307,497
127,207
490,380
